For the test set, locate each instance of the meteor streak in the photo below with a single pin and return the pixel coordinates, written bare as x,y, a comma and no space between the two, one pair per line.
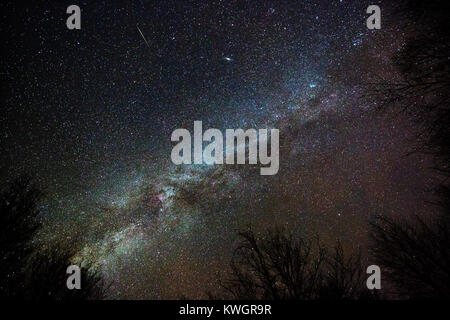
143,37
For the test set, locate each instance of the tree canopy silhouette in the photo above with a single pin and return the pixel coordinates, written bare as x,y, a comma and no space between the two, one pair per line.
18,215
415,253
27,272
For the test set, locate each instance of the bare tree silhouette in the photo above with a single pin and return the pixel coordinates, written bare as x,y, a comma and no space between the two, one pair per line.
345,277
279,266
414,256
424,87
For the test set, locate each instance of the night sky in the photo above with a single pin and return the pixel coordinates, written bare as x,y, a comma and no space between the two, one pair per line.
90,112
